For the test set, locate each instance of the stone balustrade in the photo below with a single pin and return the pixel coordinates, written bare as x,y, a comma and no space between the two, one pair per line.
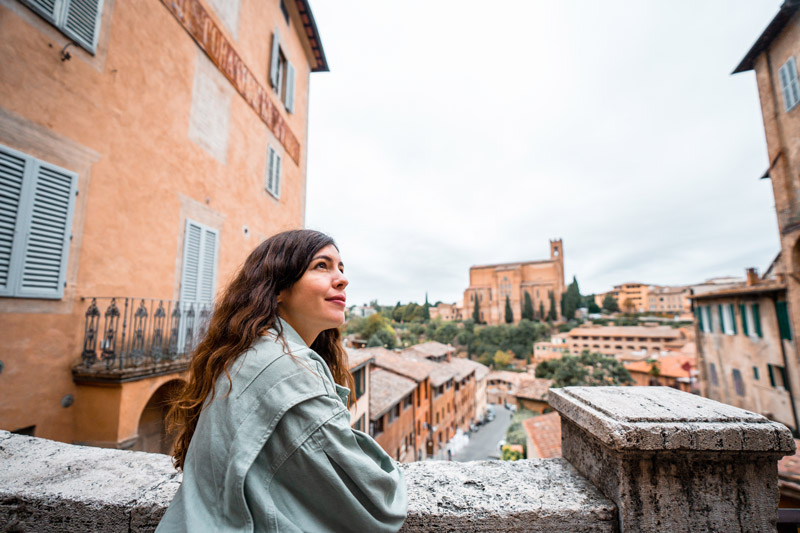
636,459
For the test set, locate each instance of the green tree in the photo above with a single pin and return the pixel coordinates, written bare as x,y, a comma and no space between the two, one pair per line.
527,308
515,434
373,341
541,311
476,312
445,332
591,304
426,314
586,369
511,455
610,304
552,316
502,359
397,313
509,313
571,300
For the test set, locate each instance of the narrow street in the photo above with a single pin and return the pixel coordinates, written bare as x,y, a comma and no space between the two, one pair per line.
483,443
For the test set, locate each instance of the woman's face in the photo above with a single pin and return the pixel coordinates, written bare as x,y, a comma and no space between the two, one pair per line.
317,301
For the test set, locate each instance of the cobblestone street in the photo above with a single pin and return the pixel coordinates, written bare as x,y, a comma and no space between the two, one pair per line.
483,443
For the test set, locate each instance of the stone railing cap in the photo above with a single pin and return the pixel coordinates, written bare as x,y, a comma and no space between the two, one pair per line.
662,418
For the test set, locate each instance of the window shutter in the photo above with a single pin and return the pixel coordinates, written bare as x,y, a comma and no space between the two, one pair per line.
743,312
757,320
771,375
733,318
198,274
273,64
277,175
49,9
721,319
791,73
46,245
709,321
82,21
270,167
783,320
783,75
12,173
289,87
190,273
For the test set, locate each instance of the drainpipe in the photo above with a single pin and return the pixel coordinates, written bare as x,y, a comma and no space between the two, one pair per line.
788,382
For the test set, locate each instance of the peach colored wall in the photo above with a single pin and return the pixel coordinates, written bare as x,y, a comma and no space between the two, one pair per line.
120,119
395,434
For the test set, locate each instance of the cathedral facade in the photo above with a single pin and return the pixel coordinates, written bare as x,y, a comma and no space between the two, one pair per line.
542,280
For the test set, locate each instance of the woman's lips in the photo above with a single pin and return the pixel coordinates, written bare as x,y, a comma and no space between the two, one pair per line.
337,300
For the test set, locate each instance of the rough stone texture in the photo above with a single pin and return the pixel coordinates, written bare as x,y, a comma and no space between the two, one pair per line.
672,461
55,487
535,495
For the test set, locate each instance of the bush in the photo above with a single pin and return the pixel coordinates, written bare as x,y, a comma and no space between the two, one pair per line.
515,434
511,455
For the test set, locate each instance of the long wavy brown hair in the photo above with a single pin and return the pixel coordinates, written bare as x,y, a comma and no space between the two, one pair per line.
243,312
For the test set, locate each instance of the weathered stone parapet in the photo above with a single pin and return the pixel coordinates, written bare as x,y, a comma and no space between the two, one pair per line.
55,487
672,461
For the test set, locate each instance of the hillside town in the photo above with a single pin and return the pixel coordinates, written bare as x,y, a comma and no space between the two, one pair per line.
142,160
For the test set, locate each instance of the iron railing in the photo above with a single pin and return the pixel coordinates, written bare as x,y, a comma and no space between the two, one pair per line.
125,333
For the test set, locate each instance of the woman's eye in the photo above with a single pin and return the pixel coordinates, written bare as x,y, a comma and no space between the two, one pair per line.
322,264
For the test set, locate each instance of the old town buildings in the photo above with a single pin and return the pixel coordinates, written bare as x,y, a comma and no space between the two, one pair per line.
626,340
491,285
145,149
642,298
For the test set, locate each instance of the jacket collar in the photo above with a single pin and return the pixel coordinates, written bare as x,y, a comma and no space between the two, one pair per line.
290,334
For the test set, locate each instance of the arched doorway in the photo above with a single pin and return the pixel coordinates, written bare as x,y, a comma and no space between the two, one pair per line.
152,433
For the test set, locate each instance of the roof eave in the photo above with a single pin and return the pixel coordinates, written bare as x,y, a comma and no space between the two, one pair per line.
773,29
312,34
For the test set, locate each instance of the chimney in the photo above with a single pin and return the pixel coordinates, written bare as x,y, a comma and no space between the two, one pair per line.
752,276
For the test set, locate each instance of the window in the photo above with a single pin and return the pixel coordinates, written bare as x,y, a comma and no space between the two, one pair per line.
77,19
708,322
738,383
743,314
360,380
727,319
36,204
755,373
756,314
199,271
777,376
273,180
377,426
407,402
712,370
783,320
281,74
789,85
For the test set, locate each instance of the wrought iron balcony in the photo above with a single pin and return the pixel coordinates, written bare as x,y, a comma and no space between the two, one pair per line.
132,338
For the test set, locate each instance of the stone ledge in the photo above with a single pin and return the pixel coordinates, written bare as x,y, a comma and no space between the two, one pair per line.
55,487
661,418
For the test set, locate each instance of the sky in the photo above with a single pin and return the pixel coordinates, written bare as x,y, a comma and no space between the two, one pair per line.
450,134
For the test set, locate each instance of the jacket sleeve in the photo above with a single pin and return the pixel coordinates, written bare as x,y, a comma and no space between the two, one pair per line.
340,479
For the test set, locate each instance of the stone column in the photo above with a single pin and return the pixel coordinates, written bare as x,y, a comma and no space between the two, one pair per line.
673,461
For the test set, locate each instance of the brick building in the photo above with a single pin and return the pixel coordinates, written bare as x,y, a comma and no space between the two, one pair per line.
623,340
489,285
145,149
391,411
360,363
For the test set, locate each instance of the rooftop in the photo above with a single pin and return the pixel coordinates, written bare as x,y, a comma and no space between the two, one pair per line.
534,389
742,289
773,29
414,368
625,331
443,373
544,431
356,358
462,367
432,349
668,365
386,390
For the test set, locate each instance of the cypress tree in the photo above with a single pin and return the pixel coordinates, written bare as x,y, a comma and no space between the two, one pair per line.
527,310
426,315
541,310
476,313
509,312
552,316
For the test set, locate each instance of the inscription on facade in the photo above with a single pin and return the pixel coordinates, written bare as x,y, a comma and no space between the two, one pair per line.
196,20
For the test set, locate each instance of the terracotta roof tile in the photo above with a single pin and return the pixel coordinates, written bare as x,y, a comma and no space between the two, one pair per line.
432,349
386,390
535,389
545,432
416,369
625,331
356,357
668,365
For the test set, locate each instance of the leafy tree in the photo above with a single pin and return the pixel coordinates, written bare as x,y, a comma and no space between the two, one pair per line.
378,325
445,332
610,304
655,368
552,316
628,305
527,308
586,369
511,455
509,313
476,312
503,359
373,341
515,434
397,312
354,325
592,305
571,300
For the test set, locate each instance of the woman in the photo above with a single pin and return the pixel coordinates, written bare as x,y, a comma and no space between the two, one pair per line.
264,437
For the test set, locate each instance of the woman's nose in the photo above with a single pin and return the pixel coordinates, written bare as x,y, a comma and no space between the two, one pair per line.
341,282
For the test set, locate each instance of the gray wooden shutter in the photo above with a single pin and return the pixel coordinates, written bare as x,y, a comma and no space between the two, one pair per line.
49,9
277,177
198,274
12,174
82,21
794,89
273,64
270,167
289,87
46,245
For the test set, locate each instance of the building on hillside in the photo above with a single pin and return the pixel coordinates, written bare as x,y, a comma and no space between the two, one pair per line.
774,58
676,370
489,285
360,363
446,312
621,340
746,350
391,413
531,394
432,351
543,436
547,350
137,172
665,299
362,311
481,374
501,384
418,370
464,395
443,412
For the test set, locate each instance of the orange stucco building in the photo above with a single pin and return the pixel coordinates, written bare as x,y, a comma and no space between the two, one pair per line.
489,285
145,149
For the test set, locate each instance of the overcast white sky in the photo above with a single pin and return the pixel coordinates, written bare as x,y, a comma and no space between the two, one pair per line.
450,134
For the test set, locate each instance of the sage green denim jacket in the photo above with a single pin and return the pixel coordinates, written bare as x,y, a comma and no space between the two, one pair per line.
278,453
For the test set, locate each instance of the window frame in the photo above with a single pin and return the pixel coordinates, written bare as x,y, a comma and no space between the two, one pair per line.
272,179
790,86
282,73
60,19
